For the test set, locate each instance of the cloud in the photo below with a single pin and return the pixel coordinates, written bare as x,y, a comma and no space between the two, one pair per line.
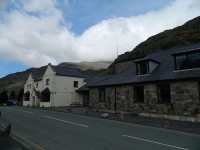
35,33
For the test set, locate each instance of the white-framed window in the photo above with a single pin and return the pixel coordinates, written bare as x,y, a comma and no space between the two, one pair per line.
187,60
142,67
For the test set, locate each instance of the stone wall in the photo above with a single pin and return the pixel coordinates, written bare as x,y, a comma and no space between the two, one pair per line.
93,97
150,93
184,99
110,98
124,97
184,91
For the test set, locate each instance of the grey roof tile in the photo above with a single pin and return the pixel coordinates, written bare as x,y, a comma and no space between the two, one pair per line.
67,71
164,71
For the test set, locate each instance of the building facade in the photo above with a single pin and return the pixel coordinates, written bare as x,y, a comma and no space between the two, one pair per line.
57,87
166,82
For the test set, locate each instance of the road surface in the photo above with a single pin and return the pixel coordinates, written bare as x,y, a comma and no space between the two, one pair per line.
51,130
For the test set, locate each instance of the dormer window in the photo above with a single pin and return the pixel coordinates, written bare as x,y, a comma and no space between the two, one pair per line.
187,60
145,66
142,68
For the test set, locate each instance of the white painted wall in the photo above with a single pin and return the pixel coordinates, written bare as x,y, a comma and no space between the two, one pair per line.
64,92
49,74
29,81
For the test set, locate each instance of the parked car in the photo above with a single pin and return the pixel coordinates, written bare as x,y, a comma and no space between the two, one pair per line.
11,102
3,104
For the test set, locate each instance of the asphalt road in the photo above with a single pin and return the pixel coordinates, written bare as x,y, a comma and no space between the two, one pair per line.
43,129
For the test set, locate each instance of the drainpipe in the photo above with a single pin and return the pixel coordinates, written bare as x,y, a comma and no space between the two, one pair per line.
115,100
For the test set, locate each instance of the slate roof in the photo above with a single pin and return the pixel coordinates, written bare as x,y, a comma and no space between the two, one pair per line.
37,78
67,71
37,75
164,71
91,81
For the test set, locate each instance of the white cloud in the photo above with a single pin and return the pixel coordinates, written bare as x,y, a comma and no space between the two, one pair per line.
37,39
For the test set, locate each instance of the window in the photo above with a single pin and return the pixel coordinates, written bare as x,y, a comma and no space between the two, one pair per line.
47,81
30,86
142,67
36,85
75,84
27,86
164,93
139,94
187,60
102,95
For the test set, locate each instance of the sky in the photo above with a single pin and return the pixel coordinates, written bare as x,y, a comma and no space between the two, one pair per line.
34,33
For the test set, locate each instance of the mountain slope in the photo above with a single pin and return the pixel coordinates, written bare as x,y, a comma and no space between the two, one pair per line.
87,65
187,34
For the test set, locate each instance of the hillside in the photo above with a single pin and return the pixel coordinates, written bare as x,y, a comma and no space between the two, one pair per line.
15,81
187,34
87,65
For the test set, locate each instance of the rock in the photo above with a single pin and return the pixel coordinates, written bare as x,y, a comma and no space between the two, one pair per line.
7,130
105,115
121,116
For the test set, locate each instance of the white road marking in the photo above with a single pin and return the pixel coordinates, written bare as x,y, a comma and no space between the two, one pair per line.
24,111
155,142
67,121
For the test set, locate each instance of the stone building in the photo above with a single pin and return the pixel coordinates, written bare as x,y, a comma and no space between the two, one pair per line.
166,82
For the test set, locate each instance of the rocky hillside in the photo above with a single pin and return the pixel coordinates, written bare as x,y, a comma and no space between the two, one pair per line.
188,33
15,81
88,65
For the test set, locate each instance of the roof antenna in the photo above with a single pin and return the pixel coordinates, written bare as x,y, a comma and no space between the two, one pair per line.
117,43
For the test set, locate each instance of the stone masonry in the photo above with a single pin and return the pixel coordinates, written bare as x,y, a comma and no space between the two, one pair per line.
184,99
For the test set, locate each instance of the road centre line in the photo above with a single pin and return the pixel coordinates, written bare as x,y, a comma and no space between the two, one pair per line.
67,121
137,138
25,111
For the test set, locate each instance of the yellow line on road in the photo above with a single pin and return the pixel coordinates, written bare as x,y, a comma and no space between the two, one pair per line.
20,136
30,142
